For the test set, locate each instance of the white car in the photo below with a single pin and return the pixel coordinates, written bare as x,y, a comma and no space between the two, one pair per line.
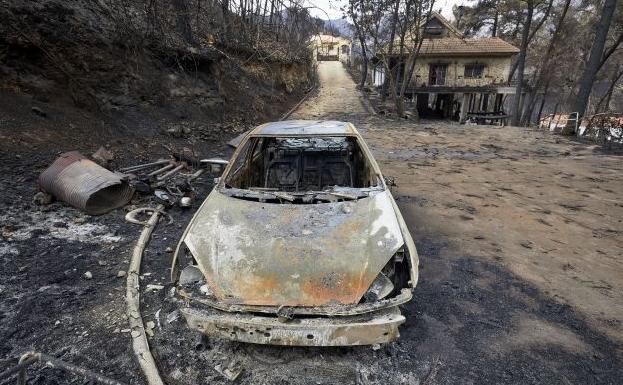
299,243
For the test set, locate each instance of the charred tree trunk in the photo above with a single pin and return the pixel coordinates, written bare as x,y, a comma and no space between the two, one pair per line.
182,20
401,54
496,17
389,67
545,65
611,50
225,18
528,107
521,62
543,98
532,33
409,66
362,42
588,77
364,72
604,103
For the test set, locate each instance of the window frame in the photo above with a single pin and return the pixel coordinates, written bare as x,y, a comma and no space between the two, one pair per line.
247,145
469,70
443,73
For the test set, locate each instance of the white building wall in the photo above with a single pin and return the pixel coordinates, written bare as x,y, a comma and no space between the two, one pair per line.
496,70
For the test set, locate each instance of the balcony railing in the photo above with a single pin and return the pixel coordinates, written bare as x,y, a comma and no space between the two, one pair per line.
460,81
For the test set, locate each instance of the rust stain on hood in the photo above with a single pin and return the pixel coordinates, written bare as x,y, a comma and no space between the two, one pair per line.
257,253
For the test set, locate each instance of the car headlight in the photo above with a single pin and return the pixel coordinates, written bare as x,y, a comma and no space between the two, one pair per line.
381,287
395,275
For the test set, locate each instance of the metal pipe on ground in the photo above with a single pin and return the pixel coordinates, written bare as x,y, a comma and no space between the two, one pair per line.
20,368
84,184
143,166
161,170
196,175
31,358
170,173
139,337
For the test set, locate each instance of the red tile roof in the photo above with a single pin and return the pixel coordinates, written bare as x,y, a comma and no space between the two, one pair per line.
454,46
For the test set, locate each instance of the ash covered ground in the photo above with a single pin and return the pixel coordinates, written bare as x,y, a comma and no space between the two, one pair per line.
518,231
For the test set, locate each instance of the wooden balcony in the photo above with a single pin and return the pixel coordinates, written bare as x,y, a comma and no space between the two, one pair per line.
462,84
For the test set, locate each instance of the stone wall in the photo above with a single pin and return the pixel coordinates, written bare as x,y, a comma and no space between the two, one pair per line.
495,72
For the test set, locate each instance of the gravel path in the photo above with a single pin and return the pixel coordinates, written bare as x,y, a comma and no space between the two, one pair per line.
337,98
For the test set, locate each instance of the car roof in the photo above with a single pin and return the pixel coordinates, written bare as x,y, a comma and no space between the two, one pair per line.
305,128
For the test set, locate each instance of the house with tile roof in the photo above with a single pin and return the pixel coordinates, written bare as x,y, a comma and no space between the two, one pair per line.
457,77
331,48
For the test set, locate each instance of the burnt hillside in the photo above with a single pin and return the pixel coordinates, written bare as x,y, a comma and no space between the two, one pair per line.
142,67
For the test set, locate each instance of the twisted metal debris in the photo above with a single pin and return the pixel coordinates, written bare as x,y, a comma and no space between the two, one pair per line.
84,184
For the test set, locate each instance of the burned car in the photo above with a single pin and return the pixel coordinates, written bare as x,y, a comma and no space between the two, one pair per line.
299,243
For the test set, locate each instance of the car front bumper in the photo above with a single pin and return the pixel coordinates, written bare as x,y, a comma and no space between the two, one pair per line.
364,329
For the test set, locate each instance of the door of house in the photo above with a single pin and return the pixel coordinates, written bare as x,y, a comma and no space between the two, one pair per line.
437,74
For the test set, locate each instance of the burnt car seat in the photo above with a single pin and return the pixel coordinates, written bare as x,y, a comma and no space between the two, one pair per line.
282,172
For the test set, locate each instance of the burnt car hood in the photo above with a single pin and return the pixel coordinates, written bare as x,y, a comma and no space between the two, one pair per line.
258,253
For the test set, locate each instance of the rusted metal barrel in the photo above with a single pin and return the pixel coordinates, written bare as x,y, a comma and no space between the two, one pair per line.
84,184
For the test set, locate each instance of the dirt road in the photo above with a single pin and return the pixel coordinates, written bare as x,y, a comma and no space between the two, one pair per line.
519,235
337,99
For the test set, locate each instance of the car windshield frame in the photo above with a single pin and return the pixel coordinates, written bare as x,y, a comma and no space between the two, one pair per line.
338,192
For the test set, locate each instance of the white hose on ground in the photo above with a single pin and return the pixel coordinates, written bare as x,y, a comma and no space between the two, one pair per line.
139,338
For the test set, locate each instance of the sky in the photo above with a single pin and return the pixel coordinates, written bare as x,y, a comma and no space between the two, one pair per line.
332,7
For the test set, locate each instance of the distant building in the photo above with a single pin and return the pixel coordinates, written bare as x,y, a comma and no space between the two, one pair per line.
456,76
327,47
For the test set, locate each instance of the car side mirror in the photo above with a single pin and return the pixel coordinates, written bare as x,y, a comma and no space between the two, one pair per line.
390,181
214,165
